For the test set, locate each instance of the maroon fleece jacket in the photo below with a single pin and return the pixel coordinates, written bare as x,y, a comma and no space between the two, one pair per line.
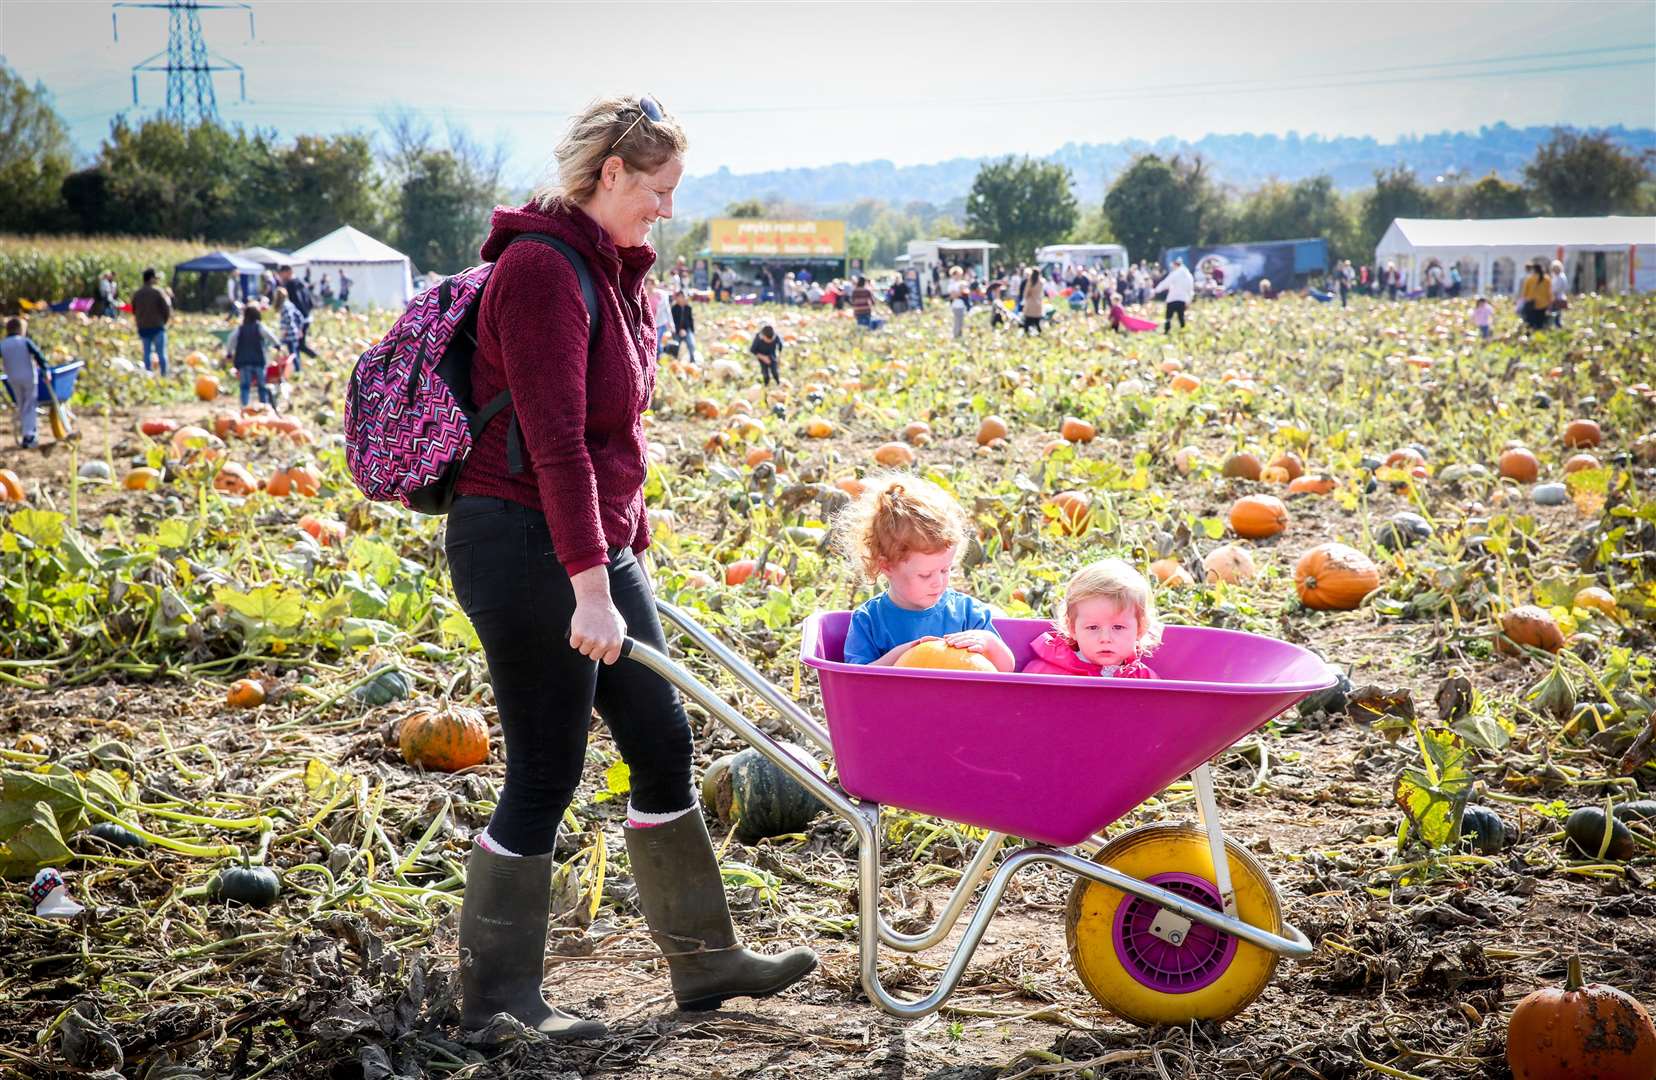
583,433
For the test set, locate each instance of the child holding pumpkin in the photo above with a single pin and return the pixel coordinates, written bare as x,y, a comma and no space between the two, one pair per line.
1106,625
908,531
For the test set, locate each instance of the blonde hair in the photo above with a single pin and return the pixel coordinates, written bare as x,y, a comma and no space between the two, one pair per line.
897,515
1115,581
591,141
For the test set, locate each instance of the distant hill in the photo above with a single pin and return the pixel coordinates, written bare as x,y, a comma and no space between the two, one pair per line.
1240,161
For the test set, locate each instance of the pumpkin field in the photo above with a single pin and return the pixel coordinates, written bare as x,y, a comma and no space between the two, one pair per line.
243,714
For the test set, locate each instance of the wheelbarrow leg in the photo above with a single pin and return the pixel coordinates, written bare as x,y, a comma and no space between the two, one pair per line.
1207,806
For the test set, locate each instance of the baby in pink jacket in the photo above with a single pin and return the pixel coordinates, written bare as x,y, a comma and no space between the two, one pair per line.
1106,625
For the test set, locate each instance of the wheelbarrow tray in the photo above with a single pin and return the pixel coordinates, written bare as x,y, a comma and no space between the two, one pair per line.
58,380
1052,758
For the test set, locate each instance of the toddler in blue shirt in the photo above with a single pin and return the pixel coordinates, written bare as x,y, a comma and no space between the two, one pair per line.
908,531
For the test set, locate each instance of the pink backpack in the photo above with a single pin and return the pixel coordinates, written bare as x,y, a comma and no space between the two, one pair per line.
410,420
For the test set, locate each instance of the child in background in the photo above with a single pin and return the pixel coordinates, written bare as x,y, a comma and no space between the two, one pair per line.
1106,625
20,355
245,350
767,346
908,531
1483,316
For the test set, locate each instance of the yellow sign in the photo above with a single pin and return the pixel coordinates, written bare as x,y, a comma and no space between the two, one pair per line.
748,236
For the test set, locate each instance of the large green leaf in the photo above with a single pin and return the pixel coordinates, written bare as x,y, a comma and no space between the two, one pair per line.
56,787
38,843
268,611
1433,794
43,528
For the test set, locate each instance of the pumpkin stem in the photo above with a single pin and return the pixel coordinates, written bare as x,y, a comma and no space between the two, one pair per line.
1572,978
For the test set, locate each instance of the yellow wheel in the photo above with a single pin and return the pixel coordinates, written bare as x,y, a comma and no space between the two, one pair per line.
1135,970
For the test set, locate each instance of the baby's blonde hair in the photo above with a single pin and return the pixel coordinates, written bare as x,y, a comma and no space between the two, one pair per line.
1119,583
897,515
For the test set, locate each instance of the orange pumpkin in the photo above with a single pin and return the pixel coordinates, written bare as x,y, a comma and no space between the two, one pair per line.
194,358
245,694
851,485
280,485
1290,463
1315,484
143,478
894,454
707,408
324,530
935,654
1244,466
11,488
1185,383
1171,573
759,454
1257,517
305,480
1074,511
1077,430
206,388
1228,563
1581,1032
742,569
1529,625
992,428
446,740
157,426
818,428
226,425
1274,474
1582,433
1519,464
1578,462
1052,446
1404,458
1334,577
189,440
917,432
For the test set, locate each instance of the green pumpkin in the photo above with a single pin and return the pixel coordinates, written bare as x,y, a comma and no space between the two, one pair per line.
118,835
388,685
1483,829
764,800
1584,834
255,885
1641,810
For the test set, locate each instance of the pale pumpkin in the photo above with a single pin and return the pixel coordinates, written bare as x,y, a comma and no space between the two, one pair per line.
1229,563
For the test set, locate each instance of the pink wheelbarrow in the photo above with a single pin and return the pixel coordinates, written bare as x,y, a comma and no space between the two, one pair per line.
1166,923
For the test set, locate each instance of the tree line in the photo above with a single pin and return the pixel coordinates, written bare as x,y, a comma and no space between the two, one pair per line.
1157,203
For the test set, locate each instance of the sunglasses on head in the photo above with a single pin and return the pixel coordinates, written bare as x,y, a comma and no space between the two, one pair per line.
648,109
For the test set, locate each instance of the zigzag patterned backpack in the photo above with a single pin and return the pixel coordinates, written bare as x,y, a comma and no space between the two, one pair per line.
409,417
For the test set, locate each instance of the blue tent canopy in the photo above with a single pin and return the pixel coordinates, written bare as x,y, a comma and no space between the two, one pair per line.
220,261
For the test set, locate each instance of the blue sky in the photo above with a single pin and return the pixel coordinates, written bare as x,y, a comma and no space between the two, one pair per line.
780,84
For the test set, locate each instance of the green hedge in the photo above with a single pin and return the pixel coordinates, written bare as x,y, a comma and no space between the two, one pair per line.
53,268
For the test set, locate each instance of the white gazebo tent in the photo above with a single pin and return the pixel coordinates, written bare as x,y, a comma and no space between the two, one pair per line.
381,276
1600,254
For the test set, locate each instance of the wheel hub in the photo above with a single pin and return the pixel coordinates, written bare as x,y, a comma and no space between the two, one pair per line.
1165,951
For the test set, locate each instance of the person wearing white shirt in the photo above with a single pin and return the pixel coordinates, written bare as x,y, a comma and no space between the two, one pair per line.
663,314
1179,287
1560,293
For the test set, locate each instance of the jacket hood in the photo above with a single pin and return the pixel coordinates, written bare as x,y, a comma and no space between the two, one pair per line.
1056,650
569,224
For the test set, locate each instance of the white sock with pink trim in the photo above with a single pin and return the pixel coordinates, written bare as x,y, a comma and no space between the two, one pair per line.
639,819
495,847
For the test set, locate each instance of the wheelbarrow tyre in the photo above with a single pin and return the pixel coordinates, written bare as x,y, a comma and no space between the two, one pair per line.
1212,976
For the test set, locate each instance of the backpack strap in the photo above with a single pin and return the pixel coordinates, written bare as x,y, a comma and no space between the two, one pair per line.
589,296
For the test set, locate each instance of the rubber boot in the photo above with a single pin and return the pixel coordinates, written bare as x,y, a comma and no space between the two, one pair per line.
503,945
683,899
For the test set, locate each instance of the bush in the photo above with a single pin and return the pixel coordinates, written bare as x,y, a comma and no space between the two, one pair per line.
55,267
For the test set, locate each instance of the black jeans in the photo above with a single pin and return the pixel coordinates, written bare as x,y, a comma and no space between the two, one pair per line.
1174,307
770,371
520,601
